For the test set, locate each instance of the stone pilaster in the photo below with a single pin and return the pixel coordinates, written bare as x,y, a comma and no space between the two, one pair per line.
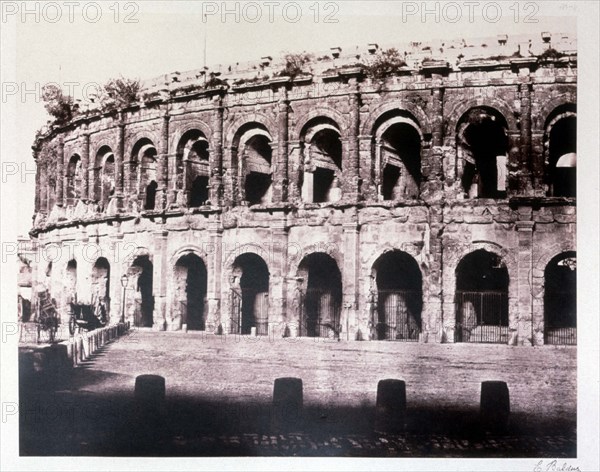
525,164
352,164
215,317
85,164
216,156
367,167
524,317
163,163
280,174
350,280
278,288
60,174
159,282
438,117
295,168
119,160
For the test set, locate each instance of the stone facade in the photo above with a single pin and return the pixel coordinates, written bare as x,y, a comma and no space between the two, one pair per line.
329,170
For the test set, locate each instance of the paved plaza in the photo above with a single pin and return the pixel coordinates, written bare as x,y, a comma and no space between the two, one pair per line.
219,393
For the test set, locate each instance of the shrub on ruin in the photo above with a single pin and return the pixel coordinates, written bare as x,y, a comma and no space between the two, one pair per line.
295,64
119,93
387,62
60,106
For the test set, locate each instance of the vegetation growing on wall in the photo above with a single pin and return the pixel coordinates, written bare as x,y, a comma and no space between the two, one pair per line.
387,62
60,106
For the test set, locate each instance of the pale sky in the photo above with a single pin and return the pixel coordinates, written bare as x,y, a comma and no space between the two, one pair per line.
169,37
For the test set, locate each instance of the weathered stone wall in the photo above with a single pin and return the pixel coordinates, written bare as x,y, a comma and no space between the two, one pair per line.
526,229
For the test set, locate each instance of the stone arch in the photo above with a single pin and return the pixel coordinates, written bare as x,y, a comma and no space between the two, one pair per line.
500,106
508,257
482,305
396,289
234,127
139,251
560,150
104,175
320,281
322,155
250,282
328,249
549,253
399,107
253,248
541,119
136,136
320,112
189,249
181,127
188,288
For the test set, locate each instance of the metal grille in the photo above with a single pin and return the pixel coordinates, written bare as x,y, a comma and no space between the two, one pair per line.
561,318
249,309
481,317
396,321
320,314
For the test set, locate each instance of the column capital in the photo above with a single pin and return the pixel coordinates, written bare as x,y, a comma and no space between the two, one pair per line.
524,225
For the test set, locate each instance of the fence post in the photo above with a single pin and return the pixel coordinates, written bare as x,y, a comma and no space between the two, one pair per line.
390,409
494,406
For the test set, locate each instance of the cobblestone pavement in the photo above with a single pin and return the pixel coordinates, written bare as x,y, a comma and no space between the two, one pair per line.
219,391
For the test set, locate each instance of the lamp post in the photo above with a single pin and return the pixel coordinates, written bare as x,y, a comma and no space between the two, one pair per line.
124,282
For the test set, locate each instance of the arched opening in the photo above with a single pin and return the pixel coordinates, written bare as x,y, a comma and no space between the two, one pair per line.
483,148
101,285
142,173
399,297
322,296
399,148
71,282
481,299
256,169
560,300
74,178
142,302
190,291
250,295
192,167
322,154
562,157
104,172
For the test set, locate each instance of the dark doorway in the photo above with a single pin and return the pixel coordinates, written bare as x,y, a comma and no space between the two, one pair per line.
250,307
481,299
142,266
399,297
192,276
560,300
322,298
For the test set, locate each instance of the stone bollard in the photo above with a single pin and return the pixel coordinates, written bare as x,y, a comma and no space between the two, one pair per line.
27,371
495,406
390,409
287,404
150,393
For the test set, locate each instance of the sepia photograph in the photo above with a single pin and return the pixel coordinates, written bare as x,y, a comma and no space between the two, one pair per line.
332,235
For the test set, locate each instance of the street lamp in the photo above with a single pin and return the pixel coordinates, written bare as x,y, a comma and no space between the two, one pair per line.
124,282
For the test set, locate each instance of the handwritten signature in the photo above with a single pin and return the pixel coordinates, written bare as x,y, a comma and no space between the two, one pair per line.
554,466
